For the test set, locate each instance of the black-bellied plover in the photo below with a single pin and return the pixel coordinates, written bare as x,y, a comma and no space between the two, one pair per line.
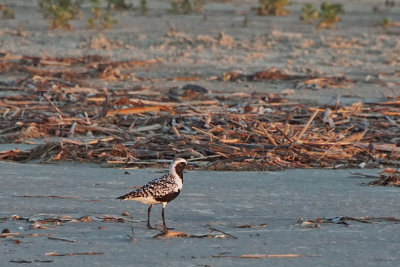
160,191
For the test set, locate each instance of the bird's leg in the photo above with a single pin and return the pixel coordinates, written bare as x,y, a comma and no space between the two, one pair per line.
148,219
163,219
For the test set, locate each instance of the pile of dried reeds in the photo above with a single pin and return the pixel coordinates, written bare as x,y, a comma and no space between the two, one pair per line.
57,105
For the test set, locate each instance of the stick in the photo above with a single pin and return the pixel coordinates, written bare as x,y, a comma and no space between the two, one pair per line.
307,125
147,128
132,237
203,132
176,132
61,239
364,175
73,254
94,128
69,197
213,229
271,140
10,234
72,130
284,134
54,106
263,256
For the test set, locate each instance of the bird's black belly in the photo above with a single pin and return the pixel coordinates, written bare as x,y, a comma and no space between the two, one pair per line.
168,197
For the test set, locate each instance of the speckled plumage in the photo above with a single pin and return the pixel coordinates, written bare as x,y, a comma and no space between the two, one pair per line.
155,192
161,190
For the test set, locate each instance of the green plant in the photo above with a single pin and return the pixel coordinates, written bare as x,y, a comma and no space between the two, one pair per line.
386,22
108,21
308,13
60,12
98,19
186,6
8,13
245,21
181,7
329,15
273,7
96,11
143,7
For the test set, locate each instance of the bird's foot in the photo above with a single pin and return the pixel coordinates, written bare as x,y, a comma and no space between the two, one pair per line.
151,227
163,228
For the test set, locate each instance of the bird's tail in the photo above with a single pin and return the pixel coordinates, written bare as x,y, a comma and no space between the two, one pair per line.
121,198
130,195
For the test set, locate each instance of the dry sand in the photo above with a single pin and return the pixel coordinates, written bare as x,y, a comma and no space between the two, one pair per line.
215,41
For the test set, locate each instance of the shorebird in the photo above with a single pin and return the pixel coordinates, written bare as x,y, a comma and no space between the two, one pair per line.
161,190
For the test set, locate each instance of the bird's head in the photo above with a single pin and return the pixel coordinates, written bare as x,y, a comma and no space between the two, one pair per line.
177,166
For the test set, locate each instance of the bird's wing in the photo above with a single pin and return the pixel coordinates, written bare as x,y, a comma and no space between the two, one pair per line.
158,188
162,186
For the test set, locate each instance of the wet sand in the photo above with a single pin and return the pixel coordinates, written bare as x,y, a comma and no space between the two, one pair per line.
222,200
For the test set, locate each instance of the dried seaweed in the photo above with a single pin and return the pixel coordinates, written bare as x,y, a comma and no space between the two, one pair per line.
343,220
165,233
388,177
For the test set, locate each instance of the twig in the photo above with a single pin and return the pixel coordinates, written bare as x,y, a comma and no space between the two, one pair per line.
61,239
54,106
250,226
204,132
266,133
72,130
216,230
207,157
73,254
307,125
285,135
63,197
132,237
364,175
106,104
10,234
263,256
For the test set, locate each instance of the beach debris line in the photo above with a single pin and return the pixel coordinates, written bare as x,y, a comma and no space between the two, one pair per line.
55,106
